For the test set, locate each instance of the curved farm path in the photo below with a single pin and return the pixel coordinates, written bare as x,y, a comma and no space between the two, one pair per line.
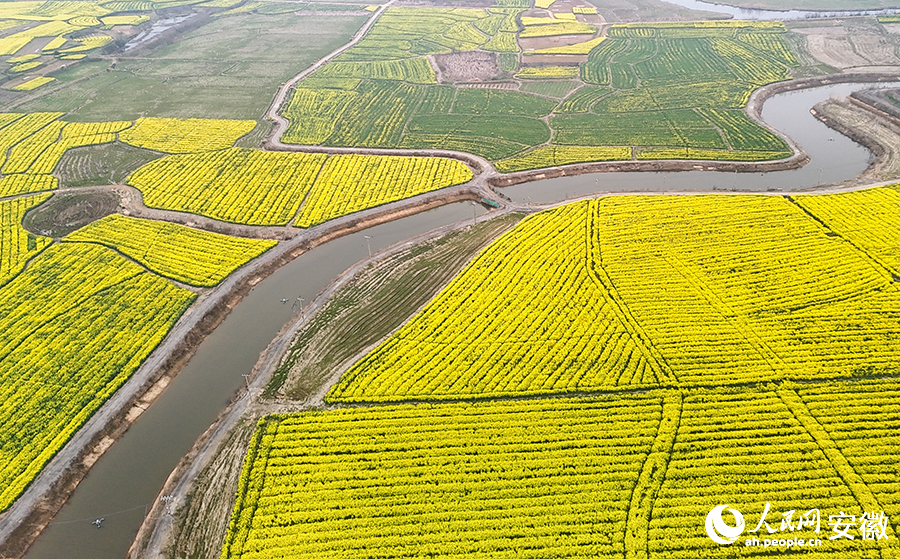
281,123
60,476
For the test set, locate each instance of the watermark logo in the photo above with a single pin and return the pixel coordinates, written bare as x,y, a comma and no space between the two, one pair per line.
870,525
718,530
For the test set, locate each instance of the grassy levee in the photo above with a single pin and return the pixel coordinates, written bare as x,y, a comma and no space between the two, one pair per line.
375,303
200,520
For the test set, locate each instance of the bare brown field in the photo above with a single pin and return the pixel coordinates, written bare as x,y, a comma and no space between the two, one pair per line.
852,43
467,66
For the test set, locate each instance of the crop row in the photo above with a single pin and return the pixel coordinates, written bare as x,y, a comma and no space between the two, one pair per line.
502,42
412,70
33,83
633,476
771,45
850,215
17,127
35,142
317,111
551,156
23,154
646,290
750,451
759,301
12,44
40,152
558,28
494,136
578,48
25,66
651,128
548,72
657,154
693,29
17,245
862,420
481,480
410,31
11,185
181,253
235,185
378,115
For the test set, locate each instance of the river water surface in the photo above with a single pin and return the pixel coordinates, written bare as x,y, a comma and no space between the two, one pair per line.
124,481
833,158
753,13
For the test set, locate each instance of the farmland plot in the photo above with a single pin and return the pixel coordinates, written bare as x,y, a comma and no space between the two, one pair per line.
668,90
693,291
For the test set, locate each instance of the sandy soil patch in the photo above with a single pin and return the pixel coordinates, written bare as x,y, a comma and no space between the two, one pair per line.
878,49
834,50
467,66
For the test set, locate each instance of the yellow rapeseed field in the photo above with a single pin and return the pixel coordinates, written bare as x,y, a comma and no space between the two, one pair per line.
630,291
192,256
350,183
186,135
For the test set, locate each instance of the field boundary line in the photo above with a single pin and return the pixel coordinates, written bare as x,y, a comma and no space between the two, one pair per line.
604,284
891,273
861,492
651,478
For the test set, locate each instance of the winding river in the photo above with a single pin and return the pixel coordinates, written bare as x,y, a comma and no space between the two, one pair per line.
128,477
834,158
756,13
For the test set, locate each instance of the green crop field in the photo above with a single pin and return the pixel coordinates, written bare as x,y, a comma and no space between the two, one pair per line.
672,90
227,69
